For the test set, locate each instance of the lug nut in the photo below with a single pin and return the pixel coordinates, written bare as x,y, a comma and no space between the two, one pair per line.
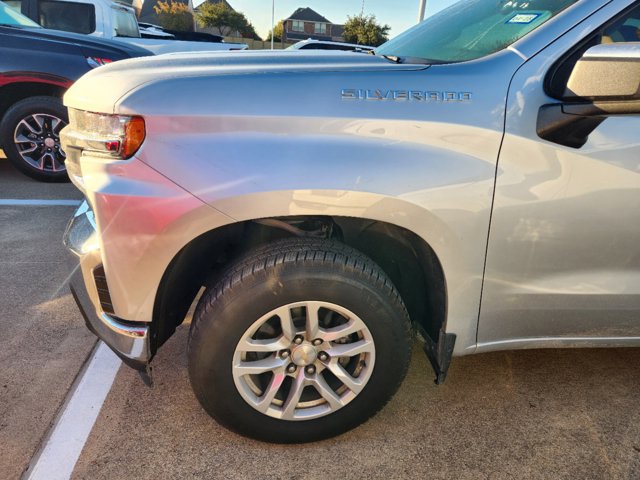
291,368
298,340
323,356
310,369
285,354
317,341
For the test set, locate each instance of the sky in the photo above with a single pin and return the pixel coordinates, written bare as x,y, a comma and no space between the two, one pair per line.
398,14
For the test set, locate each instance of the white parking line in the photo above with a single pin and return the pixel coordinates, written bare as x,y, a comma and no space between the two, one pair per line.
14,202
62,449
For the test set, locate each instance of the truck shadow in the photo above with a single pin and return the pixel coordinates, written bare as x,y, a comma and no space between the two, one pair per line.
527,414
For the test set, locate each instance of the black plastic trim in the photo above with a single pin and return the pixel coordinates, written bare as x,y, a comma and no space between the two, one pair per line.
439,353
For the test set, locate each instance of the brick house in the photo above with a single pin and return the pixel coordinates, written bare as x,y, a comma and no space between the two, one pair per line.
306,23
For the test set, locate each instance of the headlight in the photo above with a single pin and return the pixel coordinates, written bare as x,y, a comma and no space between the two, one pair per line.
116,136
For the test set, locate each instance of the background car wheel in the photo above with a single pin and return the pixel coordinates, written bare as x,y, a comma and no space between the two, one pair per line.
30,135
299,341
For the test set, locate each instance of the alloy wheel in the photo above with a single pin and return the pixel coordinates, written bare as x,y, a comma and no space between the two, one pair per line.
303,360
37,140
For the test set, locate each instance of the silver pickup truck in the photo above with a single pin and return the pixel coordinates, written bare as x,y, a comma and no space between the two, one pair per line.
475,182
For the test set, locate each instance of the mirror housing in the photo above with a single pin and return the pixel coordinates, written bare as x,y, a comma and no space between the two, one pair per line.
604,82
606,73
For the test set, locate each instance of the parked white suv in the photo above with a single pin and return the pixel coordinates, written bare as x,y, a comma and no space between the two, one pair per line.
107,19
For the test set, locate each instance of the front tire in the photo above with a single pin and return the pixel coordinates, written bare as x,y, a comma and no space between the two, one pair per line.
30,136
300,341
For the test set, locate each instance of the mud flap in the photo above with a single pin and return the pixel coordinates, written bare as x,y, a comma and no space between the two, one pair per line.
439,353
146,375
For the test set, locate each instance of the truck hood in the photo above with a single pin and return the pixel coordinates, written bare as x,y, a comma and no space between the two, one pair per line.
114,81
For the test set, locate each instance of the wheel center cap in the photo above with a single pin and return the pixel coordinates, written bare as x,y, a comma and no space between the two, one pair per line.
49,142
304,355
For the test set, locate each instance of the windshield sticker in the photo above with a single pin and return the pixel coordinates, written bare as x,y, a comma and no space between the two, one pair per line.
523,18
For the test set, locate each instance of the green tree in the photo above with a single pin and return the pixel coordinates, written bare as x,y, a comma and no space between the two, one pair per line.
364,30
278,32
225,19
248,31
174,15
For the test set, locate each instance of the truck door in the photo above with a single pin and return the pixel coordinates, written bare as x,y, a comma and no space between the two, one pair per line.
563,261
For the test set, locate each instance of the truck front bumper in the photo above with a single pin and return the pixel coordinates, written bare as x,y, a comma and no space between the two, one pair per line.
129,340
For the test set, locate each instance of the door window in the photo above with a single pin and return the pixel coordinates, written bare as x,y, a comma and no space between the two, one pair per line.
125,23
67,16
15,4
626,29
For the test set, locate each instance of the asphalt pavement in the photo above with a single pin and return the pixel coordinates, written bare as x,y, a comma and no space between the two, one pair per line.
528,414
548,414
44,342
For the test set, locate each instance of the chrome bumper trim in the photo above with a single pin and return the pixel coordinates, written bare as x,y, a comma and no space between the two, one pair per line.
130,342
134,332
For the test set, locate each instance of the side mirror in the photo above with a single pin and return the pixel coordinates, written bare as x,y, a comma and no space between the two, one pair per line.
606,73
603,83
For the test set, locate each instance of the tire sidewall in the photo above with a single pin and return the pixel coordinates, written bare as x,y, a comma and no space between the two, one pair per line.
218,332
15,114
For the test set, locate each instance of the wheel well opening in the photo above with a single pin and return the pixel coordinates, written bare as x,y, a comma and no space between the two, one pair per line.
409,261
15,92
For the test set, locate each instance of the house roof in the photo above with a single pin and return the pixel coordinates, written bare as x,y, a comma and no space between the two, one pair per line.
308,15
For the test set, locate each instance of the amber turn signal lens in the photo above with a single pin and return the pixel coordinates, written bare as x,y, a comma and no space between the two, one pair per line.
134,134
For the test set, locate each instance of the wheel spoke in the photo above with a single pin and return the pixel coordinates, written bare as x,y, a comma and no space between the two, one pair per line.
29,149
353,384
54,162
258,366
293,398
286,322
269,345
30,127
21,138
269,394
40,121
312,327
41,161
327,393
350,349
57,164
332,334
56,126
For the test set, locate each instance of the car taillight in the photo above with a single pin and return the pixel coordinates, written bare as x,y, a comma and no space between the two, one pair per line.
97,61
116,136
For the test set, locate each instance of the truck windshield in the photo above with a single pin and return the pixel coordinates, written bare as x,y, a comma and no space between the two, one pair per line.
8,16
471,29
124,23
